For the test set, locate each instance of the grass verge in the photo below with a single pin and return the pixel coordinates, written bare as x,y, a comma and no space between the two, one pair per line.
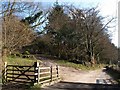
20,61
79,66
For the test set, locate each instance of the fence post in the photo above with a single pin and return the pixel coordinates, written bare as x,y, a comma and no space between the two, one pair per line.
36,70
57,71
38,73
13,73
5,71
51,73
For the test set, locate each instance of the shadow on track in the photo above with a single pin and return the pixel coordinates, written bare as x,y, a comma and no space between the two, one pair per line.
81,86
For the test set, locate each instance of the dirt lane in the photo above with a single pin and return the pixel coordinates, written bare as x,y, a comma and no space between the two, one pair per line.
69,74
73,79
95,76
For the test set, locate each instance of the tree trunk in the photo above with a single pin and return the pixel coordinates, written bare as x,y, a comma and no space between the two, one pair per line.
93,61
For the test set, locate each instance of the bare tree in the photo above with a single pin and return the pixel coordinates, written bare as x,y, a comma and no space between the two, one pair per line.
16,33
91,30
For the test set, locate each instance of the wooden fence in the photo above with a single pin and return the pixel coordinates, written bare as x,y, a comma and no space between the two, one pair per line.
33,74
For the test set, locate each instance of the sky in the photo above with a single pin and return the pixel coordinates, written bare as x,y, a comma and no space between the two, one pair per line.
108,8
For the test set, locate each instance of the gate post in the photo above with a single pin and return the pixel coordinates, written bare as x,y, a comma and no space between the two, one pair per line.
5,74
57,71
36,72
51,73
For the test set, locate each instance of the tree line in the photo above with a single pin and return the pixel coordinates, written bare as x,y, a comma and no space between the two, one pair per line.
69,33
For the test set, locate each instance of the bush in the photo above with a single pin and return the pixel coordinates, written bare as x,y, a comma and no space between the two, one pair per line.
27,53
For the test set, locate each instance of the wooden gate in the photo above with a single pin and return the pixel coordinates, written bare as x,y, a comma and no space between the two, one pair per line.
48,75
33,74
21,74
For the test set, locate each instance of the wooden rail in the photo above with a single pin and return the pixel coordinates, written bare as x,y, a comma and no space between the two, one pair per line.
33,74
47,76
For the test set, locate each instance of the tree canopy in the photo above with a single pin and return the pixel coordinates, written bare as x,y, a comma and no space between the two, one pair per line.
70,33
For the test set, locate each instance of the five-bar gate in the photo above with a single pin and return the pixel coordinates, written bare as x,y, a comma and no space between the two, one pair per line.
32,74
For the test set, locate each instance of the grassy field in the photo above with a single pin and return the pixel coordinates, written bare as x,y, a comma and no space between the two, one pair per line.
79,66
